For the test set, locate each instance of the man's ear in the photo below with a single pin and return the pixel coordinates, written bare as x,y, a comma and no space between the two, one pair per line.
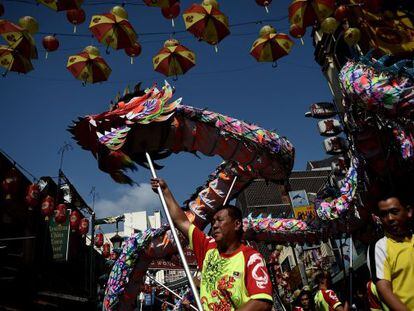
238,224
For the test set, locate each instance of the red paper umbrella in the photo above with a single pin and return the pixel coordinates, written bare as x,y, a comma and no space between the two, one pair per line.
171,12
75,17
306,13
18,39
14,61
88,66
173,59
264,3
50,43
61,5
271,46
206,22
113,30
133,51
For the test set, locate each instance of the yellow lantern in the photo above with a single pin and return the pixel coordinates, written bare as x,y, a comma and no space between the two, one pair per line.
266,30
213,3
90,49
119,11
352,36
29,23
329,25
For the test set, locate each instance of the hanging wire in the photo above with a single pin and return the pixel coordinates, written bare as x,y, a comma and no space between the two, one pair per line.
18,165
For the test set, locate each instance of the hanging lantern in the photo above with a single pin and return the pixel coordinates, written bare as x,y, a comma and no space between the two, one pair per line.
29,23
266,30
84,226
32,195
119,11
11,183
171,12
99,239
60,214
1,9
48,205
50,43
133,51
75,17
329,25
352,36
106,250
341,13
74,220
264,3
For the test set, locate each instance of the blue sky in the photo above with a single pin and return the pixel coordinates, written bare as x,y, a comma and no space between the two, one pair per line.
38,107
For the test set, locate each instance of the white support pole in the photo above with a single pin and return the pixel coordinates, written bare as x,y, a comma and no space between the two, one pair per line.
175,235
231,188
170,290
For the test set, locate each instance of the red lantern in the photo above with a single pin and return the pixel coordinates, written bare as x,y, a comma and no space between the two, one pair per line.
75,17
106,250
114,256
99,239
296,31
50,43
171,12
1,9
11,183
84,226
60,214
32,195
341,13
48,205
133,51
74,220
264,3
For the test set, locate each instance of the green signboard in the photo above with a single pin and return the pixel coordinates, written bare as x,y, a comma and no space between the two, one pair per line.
59,238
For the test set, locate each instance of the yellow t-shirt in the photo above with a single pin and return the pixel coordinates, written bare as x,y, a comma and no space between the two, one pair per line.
394,261
228,281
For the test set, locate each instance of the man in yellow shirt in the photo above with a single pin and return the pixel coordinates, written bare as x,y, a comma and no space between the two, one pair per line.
391,259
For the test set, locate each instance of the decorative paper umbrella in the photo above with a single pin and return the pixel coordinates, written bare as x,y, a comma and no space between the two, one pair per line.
14,61
113,31
18,39
271,46
61,5
173,59
305,13
88,66
206,22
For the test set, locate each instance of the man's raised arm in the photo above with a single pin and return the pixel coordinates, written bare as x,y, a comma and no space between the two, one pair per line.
177,214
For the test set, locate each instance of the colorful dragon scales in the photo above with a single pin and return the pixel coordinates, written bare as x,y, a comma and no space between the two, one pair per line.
149,122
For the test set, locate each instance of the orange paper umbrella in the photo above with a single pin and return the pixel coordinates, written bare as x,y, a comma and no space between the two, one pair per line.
271,46
18,39
173,59
12,60
206,22
61,5
113,30
304,13
88,66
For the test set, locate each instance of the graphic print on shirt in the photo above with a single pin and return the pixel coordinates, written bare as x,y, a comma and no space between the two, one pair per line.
258,271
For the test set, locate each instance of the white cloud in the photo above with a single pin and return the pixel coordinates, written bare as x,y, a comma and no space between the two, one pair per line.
131,199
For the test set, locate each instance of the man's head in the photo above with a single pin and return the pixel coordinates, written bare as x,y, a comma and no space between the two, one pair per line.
227,224
395,215
322,280
304,299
